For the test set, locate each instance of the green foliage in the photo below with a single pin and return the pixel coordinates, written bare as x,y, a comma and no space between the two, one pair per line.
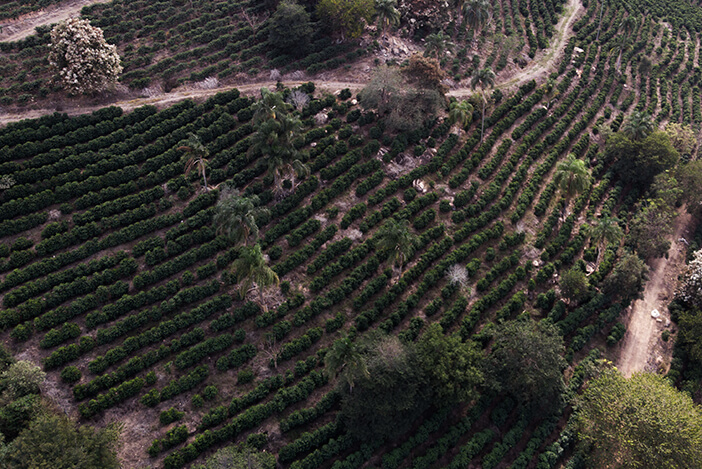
526,362
54,441
573,284
384,402
627,278
639,161
348,17
453,367
290,30
71,374
623,422
650,228
21,378
239,457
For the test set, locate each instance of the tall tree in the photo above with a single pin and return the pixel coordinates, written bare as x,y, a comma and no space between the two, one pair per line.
453,368
605,229
348,17
344,359
235,216
477,14
638,126
54,442
290,30
627,277
461,113
482,78
250,268
196,157
274,139
396,238
641,422
387,14
436,44
573,284
83,62
571,177
650,228
386,402
526,361
270,106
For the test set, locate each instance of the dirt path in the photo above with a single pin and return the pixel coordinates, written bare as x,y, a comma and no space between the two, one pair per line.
19,28
547,60
543,64
642,349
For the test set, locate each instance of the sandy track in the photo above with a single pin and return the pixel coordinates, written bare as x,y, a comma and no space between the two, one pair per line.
542,65
640,346
546,60
19,28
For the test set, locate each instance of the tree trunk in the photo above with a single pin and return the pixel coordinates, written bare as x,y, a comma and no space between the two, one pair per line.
482,124
204,175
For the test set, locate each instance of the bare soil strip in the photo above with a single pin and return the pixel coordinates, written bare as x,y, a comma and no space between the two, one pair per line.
19,28
642,348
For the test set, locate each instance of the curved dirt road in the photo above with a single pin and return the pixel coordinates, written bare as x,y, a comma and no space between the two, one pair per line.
546,60
19,28
542,65
640,346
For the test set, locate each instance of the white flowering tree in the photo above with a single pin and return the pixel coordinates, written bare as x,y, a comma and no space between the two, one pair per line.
81,58
691,288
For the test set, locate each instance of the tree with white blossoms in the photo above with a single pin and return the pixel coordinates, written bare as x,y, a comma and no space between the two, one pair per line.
691,289
81,58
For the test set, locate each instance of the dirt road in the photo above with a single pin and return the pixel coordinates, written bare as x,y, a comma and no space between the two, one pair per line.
547,60
641,346
19,28
543,64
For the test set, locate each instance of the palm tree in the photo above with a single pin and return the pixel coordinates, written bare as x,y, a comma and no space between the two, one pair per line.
638,126
235,216
250,268
274,139
461,113
482,79
344,359
621,44
605,229
571,177
268,107
388,14
477,14
196,154
437,43
396,238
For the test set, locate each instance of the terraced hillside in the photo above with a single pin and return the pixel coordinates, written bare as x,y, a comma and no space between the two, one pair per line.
111,262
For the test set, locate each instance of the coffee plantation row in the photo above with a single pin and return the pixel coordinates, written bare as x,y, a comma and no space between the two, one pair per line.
114,272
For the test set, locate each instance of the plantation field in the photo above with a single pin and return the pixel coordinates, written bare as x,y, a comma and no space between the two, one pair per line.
170,43
111,263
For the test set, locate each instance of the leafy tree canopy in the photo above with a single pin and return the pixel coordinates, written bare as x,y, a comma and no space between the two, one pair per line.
627,278
54,441
639,161
638,422
290,30
348,17
453,367
82,60
526,362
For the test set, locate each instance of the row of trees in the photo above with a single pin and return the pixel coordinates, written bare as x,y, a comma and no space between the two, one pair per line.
386,383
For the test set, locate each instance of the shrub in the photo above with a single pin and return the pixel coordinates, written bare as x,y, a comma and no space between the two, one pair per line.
70,374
